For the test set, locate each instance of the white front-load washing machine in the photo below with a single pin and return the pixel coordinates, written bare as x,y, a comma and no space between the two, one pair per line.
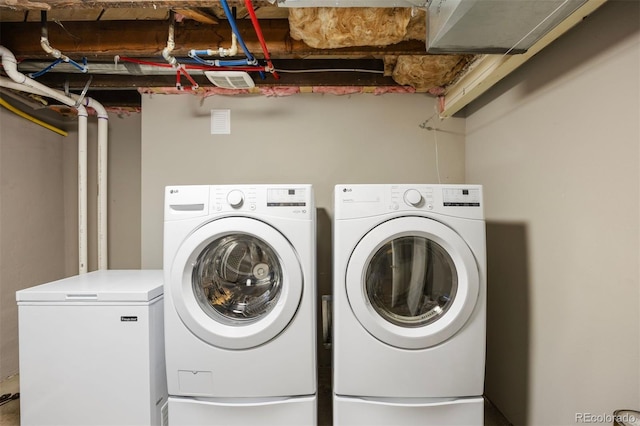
409,305
240,321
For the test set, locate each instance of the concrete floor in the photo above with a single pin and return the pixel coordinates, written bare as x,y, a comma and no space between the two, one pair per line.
10,412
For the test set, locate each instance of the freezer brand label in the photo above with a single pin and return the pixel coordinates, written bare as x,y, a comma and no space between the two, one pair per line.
129,319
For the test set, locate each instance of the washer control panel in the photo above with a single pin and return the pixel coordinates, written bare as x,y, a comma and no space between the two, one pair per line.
284,201
277,200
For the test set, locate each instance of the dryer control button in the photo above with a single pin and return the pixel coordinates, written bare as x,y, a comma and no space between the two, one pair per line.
235,198
413,197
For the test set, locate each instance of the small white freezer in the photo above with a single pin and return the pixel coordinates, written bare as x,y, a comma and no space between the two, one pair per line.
92,350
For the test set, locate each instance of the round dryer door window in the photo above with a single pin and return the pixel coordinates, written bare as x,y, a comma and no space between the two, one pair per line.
236,282
412,282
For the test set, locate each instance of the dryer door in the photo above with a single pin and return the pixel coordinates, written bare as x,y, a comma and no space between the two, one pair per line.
236,282
412,282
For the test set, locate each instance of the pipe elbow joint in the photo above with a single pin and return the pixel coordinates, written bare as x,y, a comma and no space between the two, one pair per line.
46,46
166,54
233,51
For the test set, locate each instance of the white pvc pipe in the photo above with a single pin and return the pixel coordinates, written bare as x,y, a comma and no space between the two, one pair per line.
82,196
166,52
103,156
103,125
27,84
103,153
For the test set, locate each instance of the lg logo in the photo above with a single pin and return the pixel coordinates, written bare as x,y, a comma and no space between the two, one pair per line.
347,190
173,191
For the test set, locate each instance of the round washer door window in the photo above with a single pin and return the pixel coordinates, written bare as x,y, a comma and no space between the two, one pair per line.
412,282
236,282
237,279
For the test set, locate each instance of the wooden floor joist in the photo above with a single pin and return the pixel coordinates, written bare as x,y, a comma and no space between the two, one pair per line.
104,40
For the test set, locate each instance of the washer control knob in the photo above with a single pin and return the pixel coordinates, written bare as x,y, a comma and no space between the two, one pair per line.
413,197
235,198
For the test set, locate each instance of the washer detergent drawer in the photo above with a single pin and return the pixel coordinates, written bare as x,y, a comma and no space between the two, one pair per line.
292,411
354,411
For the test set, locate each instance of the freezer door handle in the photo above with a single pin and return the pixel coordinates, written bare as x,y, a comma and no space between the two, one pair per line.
82,296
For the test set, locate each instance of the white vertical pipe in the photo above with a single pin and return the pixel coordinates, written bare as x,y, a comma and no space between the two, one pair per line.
82,192
103,154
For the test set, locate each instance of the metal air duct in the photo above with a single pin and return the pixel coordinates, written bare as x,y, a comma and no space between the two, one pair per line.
492,26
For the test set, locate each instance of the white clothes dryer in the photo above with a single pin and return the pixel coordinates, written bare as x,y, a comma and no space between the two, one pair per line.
240,320
409,305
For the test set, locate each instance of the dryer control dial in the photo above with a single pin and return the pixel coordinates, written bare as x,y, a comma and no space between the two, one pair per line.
235,198
413,197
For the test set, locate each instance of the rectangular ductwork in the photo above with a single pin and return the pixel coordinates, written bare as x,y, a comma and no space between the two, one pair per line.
473,26
351,3
492,26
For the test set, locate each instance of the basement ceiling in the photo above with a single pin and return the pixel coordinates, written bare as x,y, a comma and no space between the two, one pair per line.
341,50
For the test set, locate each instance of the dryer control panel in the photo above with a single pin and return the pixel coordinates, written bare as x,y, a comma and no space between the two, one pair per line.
354,201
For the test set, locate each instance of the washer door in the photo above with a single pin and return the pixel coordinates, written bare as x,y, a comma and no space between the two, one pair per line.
412,282
236,282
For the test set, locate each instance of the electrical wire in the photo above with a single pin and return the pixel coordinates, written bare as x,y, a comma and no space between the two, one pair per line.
435,139
435,131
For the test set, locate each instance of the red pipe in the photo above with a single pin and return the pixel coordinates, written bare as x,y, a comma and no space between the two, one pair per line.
182,70
256,27
140,61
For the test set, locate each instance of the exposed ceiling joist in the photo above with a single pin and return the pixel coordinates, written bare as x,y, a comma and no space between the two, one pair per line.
100,30
104,39
197,14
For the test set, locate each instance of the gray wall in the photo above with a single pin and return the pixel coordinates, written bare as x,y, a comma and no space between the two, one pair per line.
310,138
123,196
556,146
32,221
38,208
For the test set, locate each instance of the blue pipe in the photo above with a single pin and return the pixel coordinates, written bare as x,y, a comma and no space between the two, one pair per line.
82,68
45,70
234,27
219,63
235,63
199,52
